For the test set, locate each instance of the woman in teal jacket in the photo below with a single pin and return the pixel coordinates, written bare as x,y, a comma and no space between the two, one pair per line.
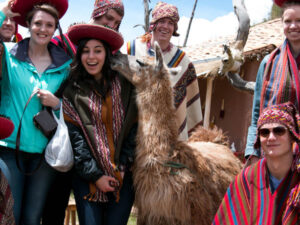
32,64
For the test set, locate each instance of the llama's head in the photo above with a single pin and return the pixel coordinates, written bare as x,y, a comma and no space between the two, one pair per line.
141,73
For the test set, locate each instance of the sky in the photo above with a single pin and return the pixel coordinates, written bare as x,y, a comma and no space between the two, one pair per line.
212,18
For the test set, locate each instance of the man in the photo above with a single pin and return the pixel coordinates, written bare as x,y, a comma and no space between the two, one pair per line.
268,191
9,31
186,90
108,13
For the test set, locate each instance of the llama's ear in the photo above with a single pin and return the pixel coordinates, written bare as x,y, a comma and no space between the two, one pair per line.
159,57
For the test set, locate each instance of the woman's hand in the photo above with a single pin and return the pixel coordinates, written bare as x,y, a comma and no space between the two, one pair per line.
47,98
106,184
6,6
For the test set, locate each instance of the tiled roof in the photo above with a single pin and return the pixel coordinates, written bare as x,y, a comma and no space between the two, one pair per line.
262,38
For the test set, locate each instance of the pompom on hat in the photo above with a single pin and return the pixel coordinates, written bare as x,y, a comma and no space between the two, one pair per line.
6,127
98,32
165,10
23,7
280,3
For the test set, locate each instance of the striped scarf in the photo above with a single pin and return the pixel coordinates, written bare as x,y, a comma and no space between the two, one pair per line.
6,203
281,79
249,199
97,137
68,46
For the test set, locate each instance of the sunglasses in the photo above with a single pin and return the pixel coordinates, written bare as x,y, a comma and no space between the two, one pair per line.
277,131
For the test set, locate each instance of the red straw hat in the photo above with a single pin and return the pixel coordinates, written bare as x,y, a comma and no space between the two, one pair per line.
281,2
6,127
94,31
23,7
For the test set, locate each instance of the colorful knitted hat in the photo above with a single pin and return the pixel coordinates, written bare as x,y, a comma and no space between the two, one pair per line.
164,10
287,115
102,6
280,3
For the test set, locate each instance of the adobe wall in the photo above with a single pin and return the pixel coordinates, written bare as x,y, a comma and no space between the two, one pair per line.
238,106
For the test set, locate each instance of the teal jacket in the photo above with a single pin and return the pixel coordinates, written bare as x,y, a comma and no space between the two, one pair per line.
255,110
19,79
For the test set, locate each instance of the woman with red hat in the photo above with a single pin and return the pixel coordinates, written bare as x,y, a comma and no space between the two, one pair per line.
107,13
278,77
32,64
268,192
101,115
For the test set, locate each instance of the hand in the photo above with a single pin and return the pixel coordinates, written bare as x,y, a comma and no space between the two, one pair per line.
106,183
6,6
47,98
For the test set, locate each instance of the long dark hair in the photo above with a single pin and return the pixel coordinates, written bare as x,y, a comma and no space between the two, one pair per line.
78,73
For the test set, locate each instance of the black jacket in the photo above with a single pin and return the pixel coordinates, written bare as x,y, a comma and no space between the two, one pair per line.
85,163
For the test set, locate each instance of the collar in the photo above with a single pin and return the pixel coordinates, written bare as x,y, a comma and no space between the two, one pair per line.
58,55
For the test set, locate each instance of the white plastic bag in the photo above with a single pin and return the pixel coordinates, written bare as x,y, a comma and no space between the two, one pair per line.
59,152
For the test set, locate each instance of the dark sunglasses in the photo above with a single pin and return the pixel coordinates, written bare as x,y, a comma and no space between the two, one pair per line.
278,131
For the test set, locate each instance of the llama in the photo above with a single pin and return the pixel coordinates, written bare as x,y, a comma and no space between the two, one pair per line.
176,183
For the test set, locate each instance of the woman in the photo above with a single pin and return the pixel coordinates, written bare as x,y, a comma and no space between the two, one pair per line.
99,106
32,64
107,13
278,75
164,25
268,192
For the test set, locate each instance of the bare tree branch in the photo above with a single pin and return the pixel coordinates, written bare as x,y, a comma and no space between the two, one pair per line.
147,15
190,23
244,20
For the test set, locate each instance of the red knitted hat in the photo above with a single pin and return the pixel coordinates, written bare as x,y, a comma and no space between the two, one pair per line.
165,10
23,7
285,114
95,31
6,127
102,6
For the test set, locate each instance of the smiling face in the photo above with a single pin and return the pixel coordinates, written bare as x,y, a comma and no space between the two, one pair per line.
163,31
112,19
42,28
291,24
93,58
8,29
276,144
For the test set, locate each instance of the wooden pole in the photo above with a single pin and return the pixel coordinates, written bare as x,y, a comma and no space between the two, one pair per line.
208,101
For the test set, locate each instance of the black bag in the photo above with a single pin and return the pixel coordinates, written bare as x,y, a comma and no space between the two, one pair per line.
45,122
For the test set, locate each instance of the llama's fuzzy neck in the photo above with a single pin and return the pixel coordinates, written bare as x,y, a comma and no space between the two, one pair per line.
157,125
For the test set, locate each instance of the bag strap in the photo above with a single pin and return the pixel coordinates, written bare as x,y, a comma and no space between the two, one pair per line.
19,137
